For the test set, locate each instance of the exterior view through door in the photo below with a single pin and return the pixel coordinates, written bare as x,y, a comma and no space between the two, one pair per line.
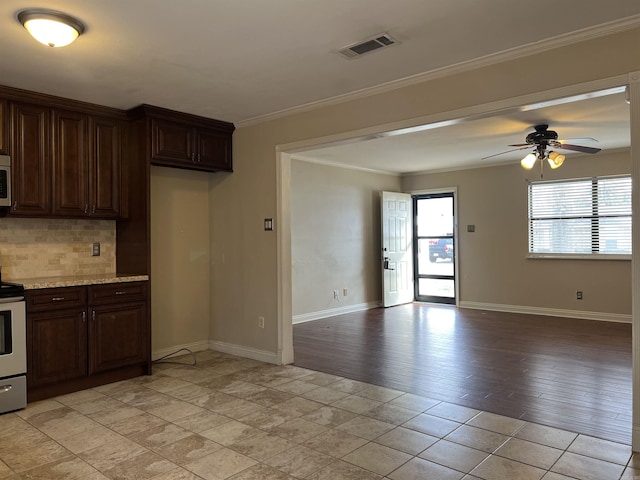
435,253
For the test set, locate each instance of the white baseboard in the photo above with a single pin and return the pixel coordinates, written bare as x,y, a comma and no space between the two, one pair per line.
552,312
247,352
332,312
194,347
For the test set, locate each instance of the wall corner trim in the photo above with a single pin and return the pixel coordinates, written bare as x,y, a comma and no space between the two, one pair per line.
552,312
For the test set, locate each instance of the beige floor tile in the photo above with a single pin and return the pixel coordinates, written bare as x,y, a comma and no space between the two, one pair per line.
89,439
324,395
267,418
343,471
269,397
453,455
62,422
348,386
298,430
115,414
135,424
477,438
497,467
220,465
36,408
230,433
365,427
261,472
173,409
142,398
106,457
381,394
322,379
213,399
496,423
377,458
20,459
242,389
329,416
299,461
140,467
104,404
237,408
82,396
178,473
391,414
295,387
406,440
201,421
630,474
262,446
414,402
450,411
551,437
601,449
530,453
431,425
188,449
159,436
586,468
418,468
557,476
190,392
166,384
335,443
298,406
356,404
71,468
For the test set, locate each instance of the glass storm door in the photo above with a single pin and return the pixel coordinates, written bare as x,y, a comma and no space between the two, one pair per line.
435,253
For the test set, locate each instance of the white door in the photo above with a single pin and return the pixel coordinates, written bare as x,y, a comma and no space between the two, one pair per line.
397,248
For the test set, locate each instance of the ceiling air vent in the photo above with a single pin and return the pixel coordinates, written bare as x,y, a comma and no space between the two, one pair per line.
382,40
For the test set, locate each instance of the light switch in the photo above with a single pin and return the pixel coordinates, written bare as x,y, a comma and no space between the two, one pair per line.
471,228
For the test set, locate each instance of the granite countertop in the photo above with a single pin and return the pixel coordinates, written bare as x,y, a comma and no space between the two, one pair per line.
78,280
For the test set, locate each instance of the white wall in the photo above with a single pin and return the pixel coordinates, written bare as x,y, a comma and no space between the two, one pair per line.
335,238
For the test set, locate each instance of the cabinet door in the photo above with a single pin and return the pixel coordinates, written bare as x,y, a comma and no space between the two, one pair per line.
117,336
104,167
30,159
4,127
214,151
171,144
57,346
70,162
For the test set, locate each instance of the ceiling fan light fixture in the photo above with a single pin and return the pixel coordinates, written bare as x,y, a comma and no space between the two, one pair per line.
555,159
51,28
529,161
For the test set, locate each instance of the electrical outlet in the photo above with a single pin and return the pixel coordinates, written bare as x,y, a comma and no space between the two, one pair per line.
345,292
95,249
335,294
261,322
578,295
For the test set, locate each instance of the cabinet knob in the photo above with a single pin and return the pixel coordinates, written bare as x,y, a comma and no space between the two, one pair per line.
93,210
198,158
86,208
57,299
84,317
15,205
93,315
120,292
193,157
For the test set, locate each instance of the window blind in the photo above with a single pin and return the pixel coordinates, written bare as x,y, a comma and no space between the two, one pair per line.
583,217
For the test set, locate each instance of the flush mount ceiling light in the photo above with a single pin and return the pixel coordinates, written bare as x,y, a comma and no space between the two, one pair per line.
51,28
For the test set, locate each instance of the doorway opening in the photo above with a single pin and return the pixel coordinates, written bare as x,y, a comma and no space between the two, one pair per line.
435,255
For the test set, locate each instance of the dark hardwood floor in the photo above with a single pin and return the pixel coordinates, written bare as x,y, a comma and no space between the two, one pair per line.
566,373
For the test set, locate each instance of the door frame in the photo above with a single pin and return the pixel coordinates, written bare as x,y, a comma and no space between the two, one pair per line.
453,191
456,238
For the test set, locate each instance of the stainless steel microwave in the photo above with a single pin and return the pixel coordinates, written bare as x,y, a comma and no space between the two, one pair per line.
5,181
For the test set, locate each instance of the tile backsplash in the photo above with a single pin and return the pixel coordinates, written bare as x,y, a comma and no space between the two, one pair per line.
36,247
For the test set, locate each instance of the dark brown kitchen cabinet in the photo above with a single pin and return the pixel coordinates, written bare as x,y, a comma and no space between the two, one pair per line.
30,159
78,337
184,146
4,127
187,141
86,165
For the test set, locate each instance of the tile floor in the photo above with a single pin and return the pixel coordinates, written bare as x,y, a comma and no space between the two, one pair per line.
235,418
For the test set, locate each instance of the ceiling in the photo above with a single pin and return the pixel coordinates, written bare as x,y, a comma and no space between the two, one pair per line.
243,60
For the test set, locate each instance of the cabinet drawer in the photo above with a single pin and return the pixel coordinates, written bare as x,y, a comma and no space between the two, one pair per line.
56,298
117,293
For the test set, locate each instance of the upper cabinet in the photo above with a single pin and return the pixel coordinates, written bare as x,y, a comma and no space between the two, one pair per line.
187,141
86,165
4,127
30,159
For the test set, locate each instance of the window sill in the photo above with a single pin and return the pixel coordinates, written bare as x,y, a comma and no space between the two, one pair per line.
569,256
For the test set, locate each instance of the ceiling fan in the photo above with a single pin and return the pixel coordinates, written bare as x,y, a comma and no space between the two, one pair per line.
541,140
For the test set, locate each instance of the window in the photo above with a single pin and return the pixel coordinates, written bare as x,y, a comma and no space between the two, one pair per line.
580,217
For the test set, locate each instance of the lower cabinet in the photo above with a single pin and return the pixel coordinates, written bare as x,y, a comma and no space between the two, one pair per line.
78,337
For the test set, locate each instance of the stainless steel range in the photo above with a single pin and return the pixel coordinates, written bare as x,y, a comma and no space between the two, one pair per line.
13,347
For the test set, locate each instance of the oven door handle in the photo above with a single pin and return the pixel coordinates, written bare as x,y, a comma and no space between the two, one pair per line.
5,388
11,299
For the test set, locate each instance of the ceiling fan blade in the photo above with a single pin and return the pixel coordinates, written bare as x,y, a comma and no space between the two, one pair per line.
581,139
519,145
512,150
578,148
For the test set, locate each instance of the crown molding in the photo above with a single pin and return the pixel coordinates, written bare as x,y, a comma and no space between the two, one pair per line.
578,36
